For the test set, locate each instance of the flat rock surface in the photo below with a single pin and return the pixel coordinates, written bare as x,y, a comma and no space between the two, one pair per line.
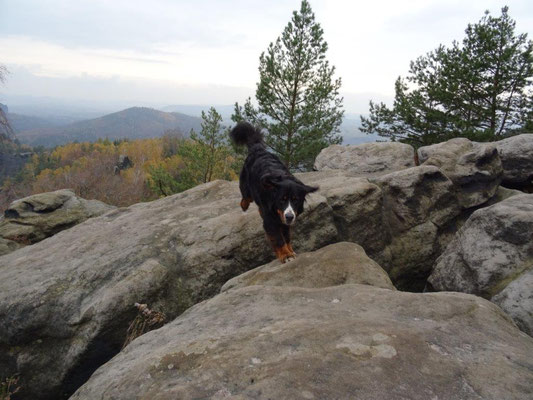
342,342
367,159
337,264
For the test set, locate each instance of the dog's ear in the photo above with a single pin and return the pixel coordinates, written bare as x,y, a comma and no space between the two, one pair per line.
270,181
310,189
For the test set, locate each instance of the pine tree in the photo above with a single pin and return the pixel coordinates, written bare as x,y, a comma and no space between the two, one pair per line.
298,98
479,89
213,142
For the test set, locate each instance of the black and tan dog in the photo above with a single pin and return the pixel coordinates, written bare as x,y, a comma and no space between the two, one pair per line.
278,194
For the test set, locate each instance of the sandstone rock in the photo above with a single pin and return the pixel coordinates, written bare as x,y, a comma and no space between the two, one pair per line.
342,342
357,207
517,301
7,246
66,302
474,168
516,154
493,248
336,264
34,218
415,196
367,159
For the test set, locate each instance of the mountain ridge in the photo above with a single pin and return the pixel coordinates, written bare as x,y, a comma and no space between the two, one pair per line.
131,123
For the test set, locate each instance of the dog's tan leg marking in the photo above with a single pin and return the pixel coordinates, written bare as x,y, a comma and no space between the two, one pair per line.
284,254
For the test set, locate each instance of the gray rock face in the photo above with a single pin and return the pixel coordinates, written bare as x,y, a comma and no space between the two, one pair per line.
34,218
333,265
7,246
342,342
356,205
474,168
367,159
517,301
417,202
66,302
516,154
491,250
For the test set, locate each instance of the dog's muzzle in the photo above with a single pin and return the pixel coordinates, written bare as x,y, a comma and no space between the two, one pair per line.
289,216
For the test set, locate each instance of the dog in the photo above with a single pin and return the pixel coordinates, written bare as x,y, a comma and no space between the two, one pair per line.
265,180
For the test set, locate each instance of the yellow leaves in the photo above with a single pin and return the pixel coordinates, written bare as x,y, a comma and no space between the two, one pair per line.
91,169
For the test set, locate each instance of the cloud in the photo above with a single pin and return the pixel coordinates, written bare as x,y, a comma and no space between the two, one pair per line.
163,47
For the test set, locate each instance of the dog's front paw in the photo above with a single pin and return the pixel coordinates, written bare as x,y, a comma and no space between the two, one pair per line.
290,258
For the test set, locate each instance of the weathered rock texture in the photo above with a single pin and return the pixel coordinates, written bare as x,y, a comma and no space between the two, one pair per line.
516,154
66,302
491,252
367,159
34,218
474,168
337,264
342,342
417,203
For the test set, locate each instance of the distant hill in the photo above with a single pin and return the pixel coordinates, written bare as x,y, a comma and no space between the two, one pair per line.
20,122
226,110
132,123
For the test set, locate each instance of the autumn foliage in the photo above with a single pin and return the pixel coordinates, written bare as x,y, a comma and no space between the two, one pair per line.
159,167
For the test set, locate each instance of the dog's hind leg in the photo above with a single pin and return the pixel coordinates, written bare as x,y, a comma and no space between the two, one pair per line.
245,192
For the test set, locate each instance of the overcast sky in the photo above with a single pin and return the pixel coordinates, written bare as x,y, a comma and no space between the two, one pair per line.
206,51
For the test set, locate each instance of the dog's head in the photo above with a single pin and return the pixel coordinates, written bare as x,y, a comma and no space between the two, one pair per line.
288,196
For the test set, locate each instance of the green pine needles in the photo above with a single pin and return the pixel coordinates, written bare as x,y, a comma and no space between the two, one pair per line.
299,105
479,89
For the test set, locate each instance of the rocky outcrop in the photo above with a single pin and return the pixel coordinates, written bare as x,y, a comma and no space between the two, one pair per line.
474,168
516,154
493,249
34,218
368,159
517,300
337,264
417,202
347,341
66,302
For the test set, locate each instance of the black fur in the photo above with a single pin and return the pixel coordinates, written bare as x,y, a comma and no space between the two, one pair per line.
266,180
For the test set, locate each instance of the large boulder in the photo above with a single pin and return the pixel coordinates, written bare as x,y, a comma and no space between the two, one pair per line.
491,250
517,300
367,159
356,205
34,218
337,264
516,154
66,302
341,342
474,168
417,203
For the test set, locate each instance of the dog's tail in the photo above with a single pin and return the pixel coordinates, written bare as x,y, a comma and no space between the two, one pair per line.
245,133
